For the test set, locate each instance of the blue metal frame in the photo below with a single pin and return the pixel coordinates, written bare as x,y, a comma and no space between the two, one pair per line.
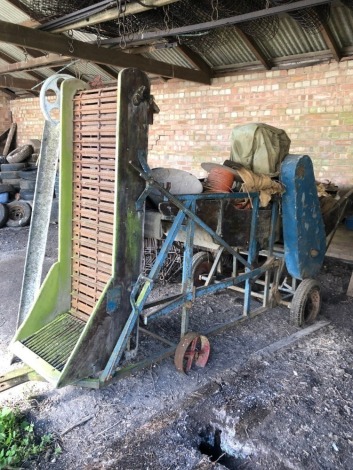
186,219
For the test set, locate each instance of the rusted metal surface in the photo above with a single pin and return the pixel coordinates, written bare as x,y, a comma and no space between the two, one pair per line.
192,349
93,196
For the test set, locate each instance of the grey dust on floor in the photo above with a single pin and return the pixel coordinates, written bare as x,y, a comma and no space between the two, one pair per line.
290,408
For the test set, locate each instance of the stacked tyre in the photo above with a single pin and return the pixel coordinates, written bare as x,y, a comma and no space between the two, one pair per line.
10,174
28,177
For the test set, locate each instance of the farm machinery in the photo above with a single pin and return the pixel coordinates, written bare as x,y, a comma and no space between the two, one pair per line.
83,325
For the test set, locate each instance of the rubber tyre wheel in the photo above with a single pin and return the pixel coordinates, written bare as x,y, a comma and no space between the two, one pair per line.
6,188
4,215
9,175
27,195
14,182
27,184
201,265
19,214
20,154
306,303
13,166
29,173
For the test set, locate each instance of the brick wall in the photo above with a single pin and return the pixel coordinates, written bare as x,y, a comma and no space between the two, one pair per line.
313,104
5,114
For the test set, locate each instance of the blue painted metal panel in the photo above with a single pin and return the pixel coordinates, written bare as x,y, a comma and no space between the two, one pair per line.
303,227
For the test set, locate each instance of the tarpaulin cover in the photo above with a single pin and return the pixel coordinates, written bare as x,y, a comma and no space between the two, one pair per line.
259,147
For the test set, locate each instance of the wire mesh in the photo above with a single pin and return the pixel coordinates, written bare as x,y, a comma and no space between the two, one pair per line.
310,19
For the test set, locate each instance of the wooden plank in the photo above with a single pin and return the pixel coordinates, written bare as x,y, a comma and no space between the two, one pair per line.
9,139
42,61
282,343
350,287
27,37
4,134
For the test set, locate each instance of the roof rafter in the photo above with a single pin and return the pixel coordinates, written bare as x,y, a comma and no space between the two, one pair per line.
35,39
330,42
7,81
250,42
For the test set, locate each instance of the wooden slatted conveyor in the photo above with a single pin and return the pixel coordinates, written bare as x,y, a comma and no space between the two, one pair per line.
93,197
84,302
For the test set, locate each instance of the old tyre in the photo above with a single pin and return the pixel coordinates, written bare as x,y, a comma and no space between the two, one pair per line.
27,194
4,215
14,182
201,266
306,303
192,349
29,173
9,175
20,154
27,184
12,166
19,214
6,188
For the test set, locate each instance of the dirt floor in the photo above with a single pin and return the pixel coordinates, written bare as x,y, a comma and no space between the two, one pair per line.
266,400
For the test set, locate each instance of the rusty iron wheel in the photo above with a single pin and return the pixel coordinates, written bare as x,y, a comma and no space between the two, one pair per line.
306,303
193,348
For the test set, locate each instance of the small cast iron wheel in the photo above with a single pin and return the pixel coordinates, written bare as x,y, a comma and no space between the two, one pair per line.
306,303
19,214
201,266
4,215
192,349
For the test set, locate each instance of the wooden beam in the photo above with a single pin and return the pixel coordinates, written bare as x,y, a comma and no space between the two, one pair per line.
195,59
251,44
7,81
330,41
27,37
11,60
41,61
9,93
224,22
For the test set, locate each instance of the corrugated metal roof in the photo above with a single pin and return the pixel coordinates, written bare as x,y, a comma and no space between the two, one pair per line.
221,49
291,39
229,49
17,74
170,55
88,71
342,25
8,12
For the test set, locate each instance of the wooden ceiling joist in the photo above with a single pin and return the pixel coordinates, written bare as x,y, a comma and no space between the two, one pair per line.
330,42
195,59
34,63
54,43
253,47
7,81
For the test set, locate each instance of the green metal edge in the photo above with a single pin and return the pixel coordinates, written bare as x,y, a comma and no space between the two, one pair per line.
54,294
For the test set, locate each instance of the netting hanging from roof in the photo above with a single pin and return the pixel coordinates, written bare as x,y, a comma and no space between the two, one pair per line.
45,10
310,19
178,14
